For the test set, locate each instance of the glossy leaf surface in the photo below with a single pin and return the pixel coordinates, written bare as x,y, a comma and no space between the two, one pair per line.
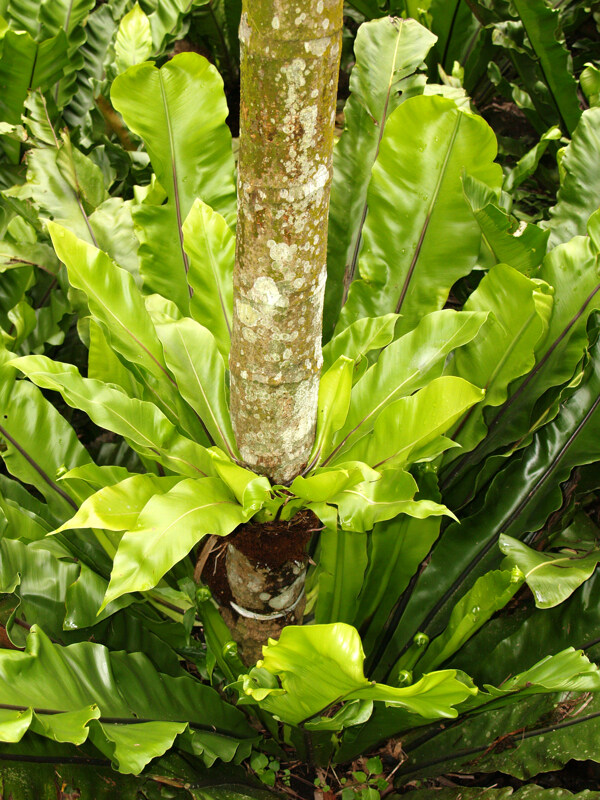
336,656
387,51
420,236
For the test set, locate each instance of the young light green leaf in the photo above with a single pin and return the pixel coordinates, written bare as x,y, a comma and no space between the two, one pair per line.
319,665
552,577
250,490
116,508
14,724
142,424
114,300
134,39
522,245
68,726
410,426
420,236
210,245
166,530
132,746
332,408
360,338
363,505
406,365
325,483
191,353
490,593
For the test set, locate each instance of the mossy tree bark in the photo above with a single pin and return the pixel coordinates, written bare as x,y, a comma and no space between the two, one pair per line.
290,54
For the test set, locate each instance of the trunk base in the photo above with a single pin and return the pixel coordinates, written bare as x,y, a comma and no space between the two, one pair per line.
257,576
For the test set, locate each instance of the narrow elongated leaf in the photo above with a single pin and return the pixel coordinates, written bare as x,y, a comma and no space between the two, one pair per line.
179,111
397,548
118,306
333,404
406,365
490,593
116,508
210,245
404,429
166,530
387,51
540,23
191,353
420,236
114,300
342,562
141,423
520,312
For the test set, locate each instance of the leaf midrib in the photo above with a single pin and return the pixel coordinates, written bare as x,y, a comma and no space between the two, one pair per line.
436,192
176,197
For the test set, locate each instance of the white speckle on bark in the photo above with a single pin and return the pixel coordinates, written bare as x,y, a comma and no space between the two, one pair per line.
320,7
275,23
245,29
265,292
317,47
247,314
281,252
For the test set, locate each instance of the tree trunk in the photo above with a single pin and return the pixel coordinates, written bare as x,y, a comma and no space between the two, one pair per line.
289,73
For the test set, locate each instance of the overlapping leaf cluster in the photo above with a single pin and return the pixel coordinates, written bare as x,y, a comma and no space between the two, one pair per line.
459,397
